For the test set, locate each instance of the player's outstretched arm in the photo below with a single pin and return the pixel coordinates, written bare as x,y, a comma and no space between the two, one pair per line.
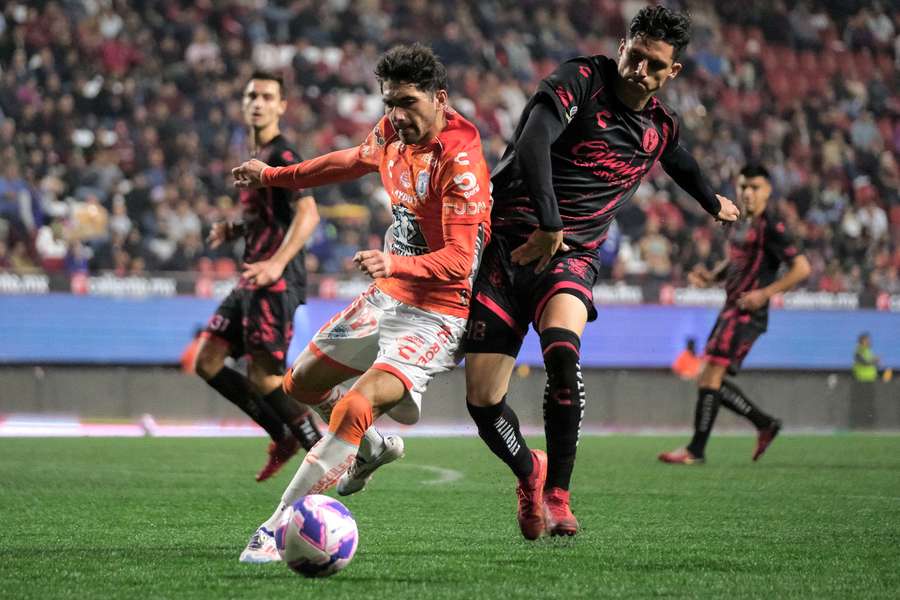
756,299
266,272
334,167
684,170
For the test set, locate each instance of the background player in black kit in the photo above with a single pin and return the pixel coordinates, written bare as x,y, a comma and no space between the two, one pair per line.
757,247
257,316
584,141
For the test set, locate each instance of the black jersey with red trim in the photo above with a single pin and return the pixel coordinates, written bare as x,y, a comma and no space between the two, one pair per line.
597,162
268,212
756,250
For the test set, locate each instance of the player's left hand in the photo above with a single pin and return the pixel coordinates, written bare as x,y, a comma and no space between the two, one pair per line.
263,273
373,263
540,246
249,174
729,211
752,300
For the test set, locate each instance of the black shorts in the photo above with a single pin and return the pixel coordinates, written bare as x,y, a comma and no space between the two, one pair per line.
256,321
731,338
507,298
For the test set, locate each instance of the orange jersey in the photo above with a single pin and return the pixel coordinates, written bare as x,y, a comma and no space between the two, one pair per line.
440,200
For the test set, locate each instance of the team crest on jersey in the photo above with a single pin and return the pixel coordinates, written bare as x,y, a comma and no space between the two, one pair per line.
651,139
422,184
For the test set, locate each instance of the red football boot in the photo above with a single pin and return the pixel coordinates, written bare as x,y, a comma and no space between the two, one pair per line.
764,437
557,514
279,454
682,456
530,492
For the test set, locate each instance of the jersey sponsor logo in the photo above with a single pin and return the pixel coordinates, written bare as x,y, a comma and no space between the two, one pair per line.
465,181
422,180
571,114
651,140
606,163
467,184
465,207
404,180
408,239
404,197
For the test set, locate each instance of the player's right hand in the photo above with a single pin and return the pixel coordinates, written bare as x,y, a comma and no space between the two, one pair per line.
540,246
729,211
249,174
700,277
218,234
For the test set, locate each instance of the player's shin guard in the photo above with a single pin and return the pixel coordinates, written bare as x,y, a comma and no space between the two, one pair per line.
563,403
296,416
708,401
236,388
734,399
498,426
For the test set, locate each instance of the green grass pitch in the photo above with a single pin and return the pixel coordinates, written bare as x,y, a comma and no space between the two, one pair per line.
817,517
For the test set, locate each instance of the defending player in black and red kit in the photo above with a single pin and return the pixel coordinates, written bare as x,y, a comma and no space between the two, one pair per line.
757,247
583,144
257,316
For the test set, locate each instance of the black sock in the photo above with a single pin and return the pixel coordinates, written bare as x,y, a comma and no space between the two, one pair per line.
734,399
708,401
295,415
498,426
236,388
563,403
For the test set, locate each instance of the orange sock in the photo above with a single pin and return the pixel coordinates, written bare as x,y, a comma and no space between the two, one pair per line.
307,398
351,416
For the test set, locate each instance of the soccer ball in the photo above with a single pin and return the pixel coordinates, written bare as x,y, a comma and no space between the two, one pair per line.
317,536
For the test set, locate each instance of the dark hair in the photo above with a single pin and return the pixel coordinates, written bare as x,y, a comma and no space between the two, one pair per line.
268,76
755,170
415,64
661,23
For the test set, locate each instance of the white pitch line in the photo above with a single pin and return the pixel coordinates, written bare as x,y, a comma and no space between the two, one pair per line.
442,475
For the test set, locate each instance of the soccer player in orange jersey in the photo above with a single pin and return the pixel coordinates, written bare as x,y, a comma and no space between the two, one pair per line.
408,325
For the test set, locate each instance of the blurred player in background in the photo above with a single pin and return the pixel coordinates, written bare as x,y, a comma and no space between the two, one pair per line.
407,326
257,316
757,247
586,139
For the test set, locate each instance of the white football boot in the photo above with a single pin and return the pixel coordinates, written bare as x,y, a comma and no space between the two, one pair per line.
261,548
360,472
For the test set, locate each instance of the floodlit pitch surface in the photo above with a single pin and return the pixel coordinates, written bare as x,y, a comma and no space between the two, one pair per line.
164,518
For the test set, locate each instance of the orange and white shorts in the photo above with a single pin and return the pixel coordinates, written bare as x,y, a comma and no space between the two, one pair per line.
377,331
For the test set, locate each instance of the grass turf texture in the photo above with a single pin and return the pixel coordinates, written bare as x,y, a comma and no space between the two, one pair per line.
155,518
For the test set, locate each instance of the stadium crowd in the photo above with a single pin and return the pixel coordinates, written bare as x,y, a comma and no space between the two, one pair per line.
120,121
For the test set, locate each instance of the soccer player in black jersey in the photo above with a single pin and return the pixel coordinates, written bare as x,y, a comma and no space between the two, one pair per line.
586,139
257,316
757,247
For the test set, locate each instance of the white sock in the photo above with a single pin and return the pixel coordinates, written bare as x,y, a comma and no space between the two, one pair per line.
322,466
371,445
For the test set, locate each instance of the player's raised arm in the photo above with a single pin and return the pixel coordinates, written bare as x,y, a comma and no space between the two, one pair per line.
682,167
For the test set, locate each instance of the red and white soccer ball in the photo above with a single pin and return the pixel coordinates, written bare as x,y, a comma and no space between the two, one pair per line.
317,537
